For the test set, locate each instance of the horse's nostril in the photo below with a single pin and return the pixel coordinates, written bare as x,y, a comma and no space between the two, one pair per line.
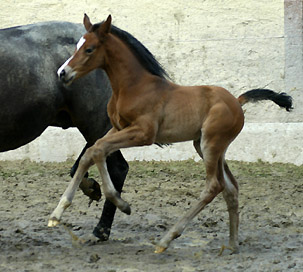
62,73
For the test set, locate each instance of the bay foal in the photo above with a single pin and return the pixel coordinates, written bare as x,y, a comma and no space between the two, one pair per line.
145,109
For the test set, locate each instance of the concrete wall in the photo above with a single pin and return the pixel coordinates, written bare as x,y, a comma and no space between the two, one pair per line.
267,142
236,44
293,26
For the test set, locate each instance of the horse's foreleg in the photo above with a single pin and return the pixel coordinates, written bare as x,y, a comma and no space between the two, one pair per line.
117,168
69,193
76,164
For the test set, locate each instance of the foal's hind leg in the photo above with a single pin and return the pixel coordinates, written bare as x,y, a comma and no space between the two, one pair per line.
230,195
212,188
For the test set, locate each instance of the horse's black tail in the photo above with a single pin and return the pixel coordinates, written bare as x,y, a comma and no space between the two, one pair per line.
255,95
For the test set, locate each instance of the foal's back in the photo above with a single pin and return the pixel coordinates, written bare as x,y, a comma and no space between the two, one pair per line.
191,108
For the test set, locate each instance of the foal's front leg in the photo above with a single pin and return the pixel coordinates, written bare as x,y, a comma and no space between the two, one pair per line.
67,197
85,163
128,137
111,142
118,169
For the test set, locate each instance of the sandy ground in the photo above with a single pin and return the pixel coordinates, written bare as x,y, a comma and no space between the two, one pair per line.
271,226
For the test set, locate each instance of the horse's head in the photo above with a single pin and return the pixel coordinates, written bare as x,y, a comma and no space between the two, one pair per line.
89,54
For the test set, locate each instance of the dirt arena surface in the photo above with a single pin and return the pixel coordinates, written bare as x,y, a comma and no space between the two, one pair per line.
271,225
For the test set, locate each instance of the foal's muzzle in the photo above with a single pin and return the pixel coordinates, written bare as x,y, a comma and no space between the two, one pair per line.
66,74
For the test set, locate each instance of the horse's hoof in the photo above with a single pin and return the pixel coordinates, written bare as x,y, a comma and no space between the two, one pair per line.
53,222
101,233
91,188
160,249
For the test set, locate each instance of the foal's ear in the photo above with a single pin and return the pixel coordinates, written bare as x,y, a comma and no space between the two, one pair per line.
105,27
87,24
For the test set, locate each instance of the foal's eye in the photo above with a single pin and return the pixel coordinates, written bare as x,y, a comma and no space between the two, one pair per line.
89,51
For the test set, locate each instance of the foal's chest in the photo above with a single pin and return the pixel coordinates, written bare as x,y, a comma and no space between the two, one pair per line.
115,117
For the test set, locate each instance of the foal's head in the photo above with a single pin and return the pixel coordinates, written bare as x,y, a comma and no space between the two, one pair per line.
89,54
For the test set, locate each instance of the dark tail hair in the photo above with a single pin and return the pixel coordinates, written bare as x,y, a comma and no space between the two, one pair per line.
255,95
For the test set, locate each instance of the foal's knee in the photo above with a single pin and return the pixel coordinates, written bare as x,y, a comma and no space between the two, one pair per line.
92,155
86,160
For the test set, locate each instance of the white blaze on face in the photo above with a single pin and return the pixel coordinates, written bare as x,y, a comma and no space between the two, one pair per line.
63,66
79,44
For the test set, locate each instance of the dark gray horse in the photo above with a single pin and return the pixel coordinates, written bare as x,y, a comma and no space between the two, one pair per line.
32,98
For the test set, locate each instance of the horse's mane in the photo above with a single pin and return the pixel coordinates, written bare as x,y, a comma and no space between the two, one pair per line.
146,58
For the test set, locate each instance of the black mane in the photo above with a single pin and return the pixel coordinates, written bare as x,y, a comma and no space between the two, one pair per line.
145,57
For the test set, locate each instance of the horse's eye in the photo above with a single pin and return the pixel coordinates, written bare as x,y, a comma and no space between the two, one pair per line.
89,51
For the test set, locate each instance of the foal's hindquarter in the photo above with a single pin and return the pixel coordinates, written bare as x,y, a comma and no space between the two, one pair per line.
153,110
212,118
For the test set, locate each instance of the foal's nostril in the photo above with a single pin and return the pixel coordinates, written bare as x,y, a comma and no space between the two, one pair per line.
62,74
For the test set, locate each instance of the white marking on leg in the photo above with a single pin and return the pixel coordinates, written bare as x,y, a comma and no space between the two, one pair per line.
61,207
67,197
203,145
228,182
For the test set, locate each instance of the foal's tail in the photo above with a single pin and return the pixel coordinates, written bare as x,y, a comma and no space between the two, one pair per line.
255,95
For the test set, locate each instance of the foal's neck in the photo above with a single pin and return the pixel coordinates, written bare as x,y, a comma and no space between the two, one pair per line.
121,66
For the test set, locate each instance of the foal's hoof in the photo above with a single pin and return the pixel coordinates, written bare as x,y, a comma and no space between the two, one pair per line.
126,210
234,250
123,206
53,222
160,249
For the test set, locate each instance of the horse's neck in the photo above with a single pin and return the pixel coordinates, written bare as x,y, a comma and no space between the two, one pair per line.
122,67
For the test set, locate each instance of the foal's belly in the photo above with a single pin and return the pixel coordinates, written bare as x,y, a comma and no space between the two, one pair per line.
178,132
